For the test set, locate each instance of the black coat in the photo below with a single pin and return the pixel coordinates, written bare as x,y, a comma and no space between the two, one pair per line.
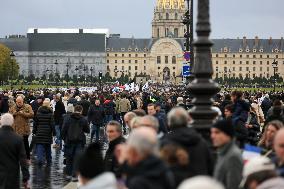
96,114
4,104
44,126
110,161
151,173
58,113
12,154
68,120
200,157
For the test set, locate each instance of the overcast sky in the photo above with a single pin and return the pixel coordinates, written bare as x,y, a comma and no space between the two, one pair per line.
229,18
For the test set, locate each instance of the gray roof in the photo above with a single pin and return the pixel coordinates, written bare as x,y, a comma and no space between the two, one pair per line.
16,44
234,45
67,42
117,44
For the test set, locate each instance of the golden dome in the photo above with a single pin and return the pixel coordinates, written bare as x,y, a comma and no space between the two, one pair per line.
171,4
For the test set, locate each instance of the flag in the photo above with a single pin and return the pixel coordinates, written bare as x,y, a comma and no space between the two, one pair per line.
132,86
137,88
250,152
146,86
127,88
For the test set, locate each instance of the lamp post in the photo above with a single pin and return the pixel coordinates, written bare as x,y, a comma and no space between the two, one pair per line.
91,80
46,79
76,69
203,88
67,66
12,55
100,78
56,63
274,65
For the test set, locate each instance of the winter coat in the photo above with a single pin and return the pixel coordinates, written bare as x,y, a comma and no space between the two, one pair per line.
200,158
162,123
273,183
255,130
110,161
58,113
85,104
109,107
124,105
68,122
96,114
21,119
266,105
43,128
150,173
105,180
229,166
12,157
277,114
4,104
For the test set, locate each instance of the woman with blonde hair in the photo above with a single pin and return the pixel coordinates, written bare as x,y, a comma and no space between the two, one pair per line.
43,130
266,141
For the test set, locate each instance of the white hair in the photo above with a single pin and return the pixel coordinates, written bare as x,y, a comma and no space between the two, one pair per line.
7,119
200,182
70,108
143,140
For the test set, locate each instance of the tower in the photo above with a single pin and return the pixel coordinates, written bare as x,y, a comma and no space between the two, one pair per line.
167,21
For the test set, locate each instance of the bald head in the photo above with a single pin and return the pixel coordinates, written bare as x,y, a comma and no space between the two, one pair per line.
143,140
20,101
279,145
149,121
128,117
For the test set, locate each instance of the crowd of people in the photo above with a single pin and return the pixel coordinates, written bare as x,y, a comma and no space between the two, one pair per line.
150,141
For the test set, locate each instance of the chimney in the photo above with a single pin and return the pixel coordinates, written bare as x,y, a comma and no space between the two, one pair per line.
270,41
244,41
35,30
256,40
80,30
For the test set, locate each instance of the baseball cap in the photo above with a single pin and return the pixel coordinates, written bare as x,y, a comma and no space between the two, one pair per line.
255,165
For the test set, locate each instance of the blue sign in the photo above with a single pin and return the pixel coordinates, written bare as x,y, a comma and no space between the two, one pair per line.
185,70
186,55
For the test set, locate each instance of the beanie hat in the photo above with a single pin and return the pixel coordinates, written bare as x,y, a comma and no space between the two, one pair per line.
225,126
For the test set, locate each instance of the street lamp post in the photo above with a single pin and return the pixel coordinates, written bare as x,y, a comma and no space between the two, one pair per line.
91,80
56,75
12,55
100,77
67,66
274,65
76,69
203,88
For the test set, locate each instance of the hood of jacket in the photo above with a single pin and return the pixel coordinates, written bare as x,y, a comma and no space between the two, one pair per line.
185,136
44,110
103,181
151,167
274,183
243,104
76,116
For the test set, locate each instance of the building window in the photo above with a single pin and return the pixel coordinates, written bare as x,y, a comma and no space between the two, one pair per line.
136,55
115,61
107,54
115,55
158,59
122,61
122,67
234,62
225,62
276,56
158,33
233,68
176,16
253,69
253,62
129,67
144,61
176,32
225,69
174,68
247,62
234,56
166,59
107,61
260,69
122,55
247,68
167,16
144,67
136,61
267,56
225,55
174,60
129,61
129,55
240,69
260,56
267,62
254,56
260,62
217,55
136,67
144,55
268,69
247,56
115,74
241,56
241,62
216,62
115,67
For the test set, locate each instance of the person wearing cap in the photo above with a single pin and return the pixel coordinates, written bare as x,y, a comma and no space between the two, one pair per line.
260,173
229,166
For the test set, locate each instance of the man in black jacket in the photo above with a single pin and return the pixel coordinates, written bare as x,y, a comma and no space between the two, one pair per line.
13,154
73,130
85,104
200,162
96,116
114,135
58,119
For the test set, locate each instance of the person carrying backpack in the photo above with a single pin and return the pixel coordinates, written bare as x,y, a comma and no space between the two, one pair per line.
73,131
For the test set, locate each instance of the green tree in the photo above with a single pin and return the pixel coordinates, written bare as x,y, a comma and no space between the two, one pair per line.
9,69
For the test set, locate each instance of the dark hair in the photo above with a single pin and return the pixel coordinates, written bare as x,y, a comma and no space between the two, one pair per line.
238,94
78,108
139,112
261,176
151,104
90,162
229,107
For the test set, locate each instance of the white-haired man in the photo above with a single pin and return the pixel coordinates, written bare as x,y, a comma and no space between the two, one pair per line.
143,169
13,154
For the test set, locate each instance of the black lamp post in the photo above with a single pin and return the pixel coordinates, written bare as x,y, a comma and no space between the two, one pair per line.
100,78
203,88
46,79
91,80
274,65
12,55
67,66
76,69
56,74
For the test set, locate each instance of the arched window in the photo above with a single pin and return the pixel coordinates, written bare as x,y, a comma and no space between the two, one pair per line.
176,16
176,32
167,16
158,32
174,60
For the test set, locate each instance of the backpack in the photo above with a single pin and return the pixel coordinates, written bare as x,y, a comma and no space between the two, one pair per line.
74,133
